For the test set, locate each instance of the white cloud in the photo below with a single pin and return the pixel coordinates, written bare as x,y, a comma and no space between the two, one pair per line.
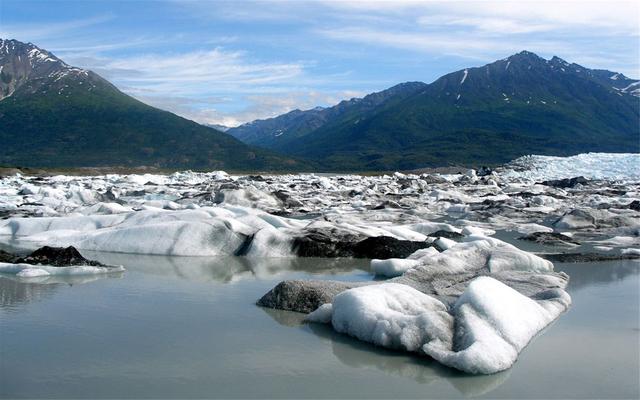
259,106
40,31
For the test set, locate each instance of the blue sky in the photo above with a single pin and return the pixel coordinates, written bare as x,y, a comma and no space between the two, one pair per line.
230,62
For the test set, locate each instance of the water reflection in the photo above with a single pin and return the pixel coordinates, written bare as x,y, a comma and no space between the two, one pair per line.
15,291
227,269
597,273
423,370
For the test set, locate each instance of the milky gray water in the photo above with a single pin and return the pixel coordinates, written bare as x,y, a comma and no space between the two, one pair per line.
188,327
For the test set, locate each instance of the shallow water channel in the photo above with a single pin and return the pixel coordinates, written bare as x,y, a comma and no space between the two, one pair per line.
188,327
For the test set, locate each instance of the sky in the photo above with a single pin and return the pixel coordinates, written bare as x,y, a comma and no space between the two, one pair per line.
231,62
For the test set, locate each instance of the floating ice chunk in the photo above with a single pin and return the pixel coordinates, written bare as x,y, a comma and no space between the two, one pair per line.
270,242
493,323
576,219
31,226
445,243
529,228
391,315
106,208
247,197
474,230
173,238
631,251
32,271
490,253
321,315
392,267
424,253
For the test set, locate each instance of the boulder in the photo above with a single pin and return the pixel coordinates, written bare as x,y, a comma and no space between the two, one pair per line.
57,257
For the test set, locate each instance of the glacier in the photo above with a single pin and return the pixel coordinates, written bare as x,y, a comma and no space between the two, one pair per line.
448,284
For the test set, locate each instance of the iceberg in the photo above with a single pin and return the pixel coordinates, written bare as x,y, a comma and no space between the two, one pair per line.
483,333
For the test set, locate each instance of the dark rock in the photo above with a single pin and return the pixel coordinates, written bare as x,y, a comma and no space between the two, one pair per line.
383,247
587,257
549,238
446,234
136,193
567,182
324,244
303,296
229,186
57,257
8,257
434,179
256,178
634,205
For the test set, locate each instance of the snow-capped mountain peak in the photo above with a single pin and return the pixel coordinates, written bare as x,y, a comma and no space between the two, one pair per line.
24,65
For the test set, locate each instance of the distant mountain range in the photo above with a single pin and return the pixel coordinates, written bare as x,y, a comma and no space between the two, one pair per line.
523,104
56,115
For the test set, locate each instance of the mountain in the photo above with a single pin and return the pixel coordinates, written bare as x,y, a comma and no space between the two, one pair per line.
56,115
276,133
523,104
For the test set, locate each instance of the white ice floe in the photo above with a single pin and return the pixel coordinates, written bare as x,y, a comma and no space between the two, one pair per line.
483,252
390,315
483,333
493,323
393,266
632,251
32,271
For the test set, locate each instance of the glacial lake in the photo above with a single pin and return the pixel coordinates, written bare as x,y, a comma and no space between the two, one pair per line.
188,327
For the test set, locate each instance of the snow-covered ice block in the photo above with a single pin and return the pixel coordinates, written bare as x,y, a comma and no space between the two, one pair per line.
444,243
483,334
490,253
391,315
171,238
493,323
393,266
